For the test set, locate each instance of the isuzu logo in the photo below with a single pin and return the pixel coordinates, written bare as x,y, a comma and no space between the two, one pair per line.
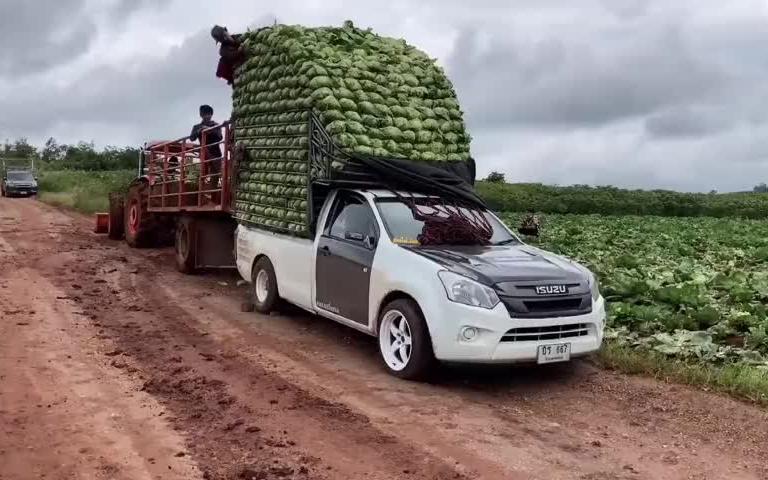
551,289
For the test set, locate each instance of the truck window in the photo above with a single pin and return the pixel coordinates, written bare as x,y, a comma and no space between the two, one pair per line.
404,229
20,177
351,219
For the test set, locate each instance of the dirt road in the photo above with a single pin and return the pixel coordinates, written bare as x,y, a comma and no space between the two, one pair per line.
114,366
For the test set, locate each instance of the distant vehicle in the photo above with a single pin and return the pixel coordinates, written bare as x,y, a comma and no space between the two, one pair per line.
18,183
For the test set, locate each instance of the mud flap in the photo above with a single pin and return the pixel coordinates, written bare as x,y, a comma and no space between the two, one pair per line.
215,243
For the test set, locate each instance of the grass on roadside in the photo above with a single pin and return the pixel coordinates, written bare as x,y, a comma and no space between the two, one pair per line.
86,192
739,380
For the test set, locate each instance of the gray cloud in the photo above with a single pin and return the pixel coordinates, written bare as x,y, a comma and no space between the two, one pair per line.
40,35
125,8
687,122
560,83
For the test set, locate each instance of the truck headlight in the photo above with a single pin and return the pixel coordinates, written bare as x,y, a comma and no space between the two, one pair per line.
463,290
594,288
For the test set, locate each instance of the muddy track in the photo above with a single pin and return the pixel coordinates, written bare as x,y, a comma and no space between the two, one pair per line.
153,374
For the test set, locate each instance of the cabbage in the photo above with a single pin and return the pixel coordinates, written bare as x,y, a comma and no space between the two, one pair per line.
368,107
409,136
355,127
347,104
401,122
321,81
337,126
353,116
393,133
329,103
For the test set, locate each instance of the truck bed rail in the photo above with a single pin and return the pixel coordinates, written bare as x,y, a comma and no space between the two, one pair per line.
184,176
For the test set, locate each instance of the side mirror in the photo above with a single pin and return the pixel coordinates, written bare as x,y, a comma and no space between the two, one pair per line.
370,242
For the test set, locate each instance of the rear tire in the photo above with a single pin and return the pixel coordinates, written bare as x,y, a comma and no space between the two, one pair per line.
264,290
116,227
140,225
404,342
186,245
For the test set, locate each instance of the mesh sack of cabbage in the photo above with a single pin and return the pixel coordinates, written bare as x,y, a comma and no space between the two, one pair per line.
375,96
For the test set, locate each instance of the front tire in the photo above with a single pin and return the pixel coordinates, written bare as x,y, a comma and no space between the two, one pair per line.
404,342
264,286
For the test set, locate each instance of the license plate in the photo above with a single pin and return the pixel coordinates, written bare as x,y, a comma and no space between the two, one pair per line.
557,352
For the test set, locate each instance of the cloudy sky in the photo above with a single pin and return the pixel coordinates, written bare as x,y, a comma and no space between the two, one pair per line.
634,93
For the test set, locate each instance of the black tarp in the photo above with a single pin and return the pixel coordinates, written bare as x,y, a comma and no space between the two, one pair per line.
450,180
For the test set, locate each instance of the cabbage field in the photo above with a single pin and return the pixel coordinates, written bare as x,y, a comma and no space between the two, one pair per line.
694,289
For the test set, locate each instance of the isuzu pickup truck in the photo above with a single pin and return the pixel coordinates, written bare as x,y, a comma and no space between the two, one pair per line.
503,302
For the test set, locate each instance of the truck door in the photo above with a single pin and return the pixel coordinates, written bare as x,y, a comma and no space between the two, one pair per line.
344,258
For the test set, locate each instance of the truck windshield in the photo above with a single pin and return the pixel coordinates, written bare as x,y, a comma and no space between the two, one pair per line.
20,177
404,229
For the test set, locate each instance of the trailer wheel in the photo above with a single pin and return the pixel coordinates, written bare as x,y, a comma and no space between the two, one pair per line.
139,223
404,342
116,226
264,286
186,245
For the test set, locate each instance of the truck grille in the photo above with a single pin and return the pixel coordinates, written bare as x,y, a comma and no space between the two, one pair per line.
523,300
532,307
554,332
552,305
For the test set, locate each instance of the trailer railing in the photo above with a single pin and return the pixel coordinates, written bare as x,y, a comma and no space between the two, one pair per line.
187,176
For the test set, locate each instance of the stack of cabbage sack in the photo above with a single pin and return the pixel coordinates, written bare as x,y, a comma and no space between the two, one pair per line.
374,95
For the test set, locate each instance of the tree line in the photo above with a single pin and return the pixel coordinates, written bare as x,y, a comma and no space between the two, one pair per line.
585,199
79,156
498,194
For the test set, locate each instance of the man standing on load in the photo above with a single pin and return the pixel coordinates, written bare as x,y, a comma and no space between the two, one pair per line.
231,53
210,141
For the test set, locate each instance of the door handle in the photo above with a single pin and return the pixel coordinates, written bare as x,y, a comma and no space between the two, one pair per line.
325,251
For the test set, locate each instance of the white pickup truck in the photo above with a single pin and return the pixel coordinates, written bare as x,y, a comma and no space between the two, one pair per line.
503,302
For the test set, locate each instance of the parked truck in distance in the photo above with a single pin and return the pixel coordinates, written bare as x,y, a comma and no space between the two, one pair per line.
17,179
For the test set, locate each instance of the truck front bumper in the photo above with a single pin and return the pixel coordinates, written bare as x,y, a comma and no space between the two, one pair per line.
499,338
20,191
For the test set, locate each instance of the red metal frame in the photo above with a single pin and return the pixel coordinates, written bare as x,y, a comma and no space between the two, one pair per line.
170,188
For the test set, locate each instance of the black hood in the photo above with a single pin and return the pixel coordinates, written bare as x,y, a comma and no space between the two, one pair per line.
492,265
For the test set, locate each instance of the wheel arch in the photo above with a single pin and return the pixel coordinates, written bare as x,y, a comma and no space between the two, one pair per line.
391,297
255,260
